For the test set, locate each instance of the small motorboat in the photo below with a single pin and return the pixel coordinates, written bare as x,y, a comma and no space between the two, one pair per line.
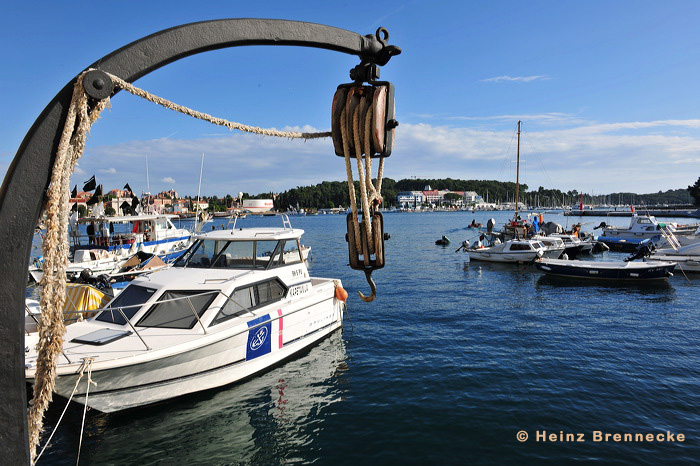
238,302
628,271
513,251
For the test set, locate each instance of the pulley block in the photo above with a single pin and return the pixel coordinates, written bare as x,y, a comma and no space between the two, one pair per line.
368,258
350,98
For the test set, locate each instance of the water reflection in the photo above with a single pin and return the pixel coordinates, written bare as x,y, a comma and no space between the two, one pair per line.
269,419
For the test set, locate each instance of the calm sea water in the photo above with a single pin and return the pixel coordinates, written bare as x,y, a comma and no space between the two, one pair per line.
449,363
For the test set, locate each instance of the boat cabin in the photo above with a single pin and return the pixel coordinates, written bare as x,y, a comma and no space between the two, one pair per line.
216,269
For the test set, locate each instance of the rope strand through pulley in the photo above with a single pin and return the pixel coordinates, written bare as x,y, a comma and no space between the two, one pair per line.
363,123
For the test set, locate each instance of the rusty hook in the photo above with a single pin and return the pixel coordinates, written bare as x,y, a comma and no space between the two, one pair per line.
372,286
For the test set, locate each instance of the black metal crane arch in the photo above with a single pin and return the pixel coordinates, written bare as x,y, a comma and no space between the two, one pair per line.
23,191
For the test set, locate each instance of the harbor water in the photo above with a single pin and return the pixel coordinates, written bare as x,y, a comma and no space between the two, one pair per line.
453,363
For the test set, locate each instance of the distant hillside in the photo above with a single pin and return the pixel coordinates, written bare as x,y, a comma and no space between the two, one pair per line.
330,194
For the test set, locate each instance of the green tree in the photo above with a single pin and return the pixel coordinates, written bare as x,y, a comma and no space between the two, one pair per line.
452,198
109,210
694,191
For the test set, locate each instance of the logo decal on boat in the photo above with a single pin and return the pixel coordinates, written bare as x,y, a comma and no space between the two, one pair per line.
258,338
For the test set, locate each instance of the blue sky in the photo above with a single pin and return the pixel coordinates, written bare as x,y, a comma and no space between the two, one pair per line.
608,92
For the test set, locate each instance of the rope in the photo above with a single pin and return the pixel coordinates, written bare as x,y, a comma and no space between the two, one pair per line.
206,117
369,193
55,249
71,146
87,363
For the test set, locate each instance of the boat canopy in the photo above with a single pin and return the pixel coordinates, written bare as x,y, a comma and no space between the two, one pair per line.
250,249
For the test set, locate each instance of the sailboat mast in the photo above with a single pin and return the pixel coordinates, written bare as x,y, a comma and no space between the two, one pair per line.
517,176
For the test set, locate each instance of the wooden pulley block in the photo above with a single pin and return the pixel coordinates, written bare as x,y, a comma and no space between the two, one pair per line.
363,260
349,98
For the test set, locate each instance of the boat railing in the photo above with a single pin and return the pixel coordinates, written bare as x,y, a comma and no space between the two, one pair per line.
101,240
286,223
120,309
670,237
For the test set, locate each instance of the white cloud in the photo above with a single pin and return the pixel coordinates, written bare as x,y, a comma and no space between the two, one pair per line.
524,79
108,171
623,156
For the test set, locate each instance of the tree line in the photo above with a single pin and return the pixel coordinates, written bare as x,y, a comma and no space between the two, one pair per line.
330,194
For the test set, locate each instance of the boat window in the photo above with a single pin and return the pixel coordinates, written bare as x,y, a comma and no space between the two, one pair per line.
175,309
291,253
133,295
520,247
250,297
264,252
643,220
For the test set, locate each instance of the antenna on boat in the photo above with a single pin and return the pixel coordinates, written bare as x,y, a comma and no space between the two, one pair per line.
517,175
148,180
199,189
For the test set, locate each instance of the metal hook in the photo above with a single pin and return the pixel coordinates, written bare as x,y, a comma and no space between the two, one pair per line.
372,286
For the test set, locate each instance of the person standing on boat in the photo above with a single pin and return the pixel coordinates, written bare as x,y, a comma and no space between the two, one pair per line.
91,233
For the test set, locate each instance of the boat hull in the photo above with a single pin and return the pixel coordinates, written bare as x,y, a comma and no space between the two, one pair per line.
592,270
685,263
516,258
217,363
622,244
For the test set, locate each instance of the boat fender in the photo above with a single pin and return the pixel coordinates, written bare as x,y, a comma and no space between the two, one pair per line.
341,294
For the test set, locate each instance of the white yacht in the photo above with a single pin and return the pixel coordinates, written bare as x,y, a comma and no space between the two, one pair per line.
237,302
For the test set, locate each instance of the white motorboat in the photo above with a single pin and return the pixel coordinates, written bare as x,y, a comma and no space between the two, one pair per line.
514,251
106,243
643,227
574,245
555,245
238,302
687,257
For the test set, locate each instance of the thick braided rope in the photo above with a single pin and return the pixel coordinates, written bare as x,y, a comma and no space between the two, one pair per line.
206,117
55,249
366,218
351,182
368,192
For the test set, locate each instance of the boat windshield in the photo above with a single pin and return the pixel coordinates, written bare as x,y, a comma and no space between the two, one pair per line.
129,301
253,254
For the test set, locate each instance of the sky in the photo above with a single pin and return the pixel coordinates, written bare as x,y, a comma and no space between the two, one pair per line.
608,93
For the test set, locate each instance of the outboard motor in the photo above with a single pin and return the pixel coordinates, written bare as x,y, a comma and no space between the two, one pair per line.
644,249
490,224
551,227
